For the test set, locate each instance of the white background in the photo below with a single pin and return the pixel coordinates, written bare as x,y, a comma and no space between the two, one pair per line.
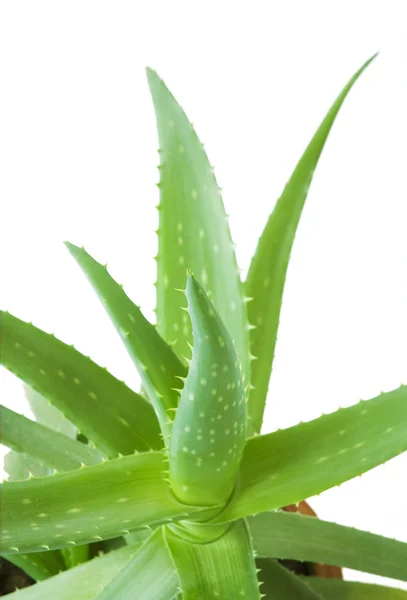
78,161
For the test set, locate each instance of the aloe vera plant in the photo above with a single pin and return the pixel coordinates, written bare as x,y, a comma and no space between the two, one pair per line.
172,492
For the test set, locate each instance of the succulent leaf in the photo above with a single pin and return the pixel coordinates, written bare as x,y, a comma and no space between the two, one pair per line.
209,429
149,574
20,466
79,388
292,536
223,568
336,589
83,582
267,272
193,232
38,565
51,448
286,466
47,414
159,368
93,503
279,583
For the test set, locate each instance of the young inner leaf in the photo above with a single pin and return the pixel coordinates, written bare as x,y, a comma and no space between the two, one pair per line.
209,429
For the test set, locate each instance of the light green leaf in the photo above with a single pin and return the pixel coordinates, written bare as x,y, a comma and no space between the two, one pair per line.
47,414
93,503
193,232
293,536
209,429
267,272
278,583
38,565
84,582
158,366
286,466
19,466
111,415
149,575
336,589
51,448
224,568
75,555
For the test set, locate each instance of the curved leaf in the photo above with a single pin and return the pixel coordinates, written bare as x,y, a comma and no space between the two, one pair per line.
51,448
158,366
267,272
193,232
278,583
47,414
79,388
293,536
149,575
38,565
224,568
209,429
286,466
93,503
336,589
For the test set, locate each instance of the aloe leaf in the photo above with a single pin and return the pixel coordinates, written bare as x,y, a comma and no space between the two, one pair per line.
93,503
47,414
149,574
111,415
286,466
51,448
292,536
75,555
83,582
19,466
279,583
158,366
336,589
209,429
267,272
223,568
38,565
193,232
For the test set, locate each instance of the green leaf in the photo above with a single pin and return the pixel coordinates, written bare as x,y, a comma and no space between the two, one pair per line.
209,429
84,582
193,232
158,366
38,565
19,466
224,568
336,589
267,272
75,555
149,575
37,441
292,536
278,583
47,414
111,415
93,503
286,466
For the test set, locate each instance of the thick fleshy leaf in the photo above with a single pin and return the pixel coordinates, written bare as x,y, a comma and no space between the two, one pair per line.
19,466
158,366
286,466
111,415
223,568
193,232
278,583
47,414
93,503
84,582
51,448
209,429
38,565
293,536
149,575
267,272
336,589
